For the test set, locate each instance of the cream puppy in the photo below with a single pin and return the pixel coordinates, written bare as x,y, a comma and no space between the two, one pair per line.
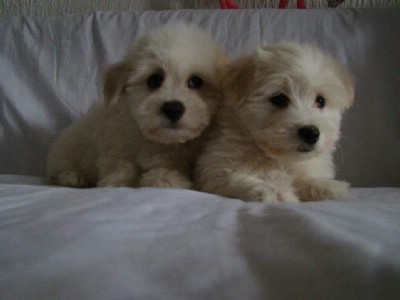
158,102
275,134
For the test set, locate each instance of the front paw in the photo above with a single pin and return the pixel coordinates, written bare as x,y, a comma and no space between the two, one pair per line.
270,195
70,179
316,189
163,178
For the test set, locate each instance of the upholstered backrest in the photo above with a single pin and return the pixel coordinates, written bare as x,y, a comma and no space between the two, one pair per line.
50,73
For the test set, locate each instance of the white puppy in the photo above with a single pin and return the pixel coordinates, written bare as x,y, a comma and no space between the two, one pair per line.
158,102
275,135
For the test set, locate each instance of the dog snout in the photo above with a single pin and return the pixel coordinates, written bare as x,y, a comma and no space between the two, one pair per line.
173,110
309,134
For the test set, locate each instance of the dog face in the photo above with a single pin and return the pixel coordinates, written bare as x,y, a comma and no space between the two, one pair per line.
169,83
290,97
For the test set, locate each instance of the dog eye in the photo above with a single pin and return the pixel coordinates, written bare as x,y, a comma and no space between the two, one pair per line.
195,82
155,81
320,102
280,100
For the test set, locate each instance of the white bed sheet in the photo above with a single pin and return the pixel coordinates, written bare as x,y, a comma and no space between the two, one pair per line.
62,243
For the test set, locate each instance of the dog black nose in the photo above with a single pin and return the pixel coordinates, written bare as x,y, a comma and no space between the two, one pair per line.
309,134
173,110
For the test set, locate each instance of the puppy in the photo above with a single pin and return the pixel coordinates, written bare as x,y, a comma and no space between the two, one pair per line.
157,102
276,132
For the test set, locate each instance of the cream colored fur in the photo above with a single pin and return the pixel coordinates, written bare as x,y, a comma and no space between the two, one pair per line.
255,152
128,140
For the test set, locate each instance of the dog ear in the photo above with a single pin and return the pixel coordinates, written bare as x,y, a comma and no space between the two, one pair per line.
265,53
350,93
114,81
236,79
348,83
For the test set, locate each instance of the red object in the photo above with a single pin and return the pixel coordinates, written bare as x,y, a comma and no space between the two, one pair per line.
300,4
228,4
283,3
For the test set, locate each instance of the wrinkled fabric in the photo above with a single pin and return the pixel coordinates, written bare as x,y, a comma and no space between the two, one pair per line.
50,74
121,243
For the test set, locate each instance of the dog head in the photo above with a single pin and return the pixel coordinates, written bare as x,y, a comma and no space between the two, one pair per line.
290,97
169,82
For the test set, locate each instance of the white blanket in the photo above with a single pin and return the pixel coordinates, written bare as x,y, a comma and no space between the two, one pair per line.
60,243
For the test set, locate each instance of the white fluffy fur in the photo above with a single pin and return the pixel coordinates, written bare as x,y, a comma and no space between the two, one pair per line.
253,150
127,140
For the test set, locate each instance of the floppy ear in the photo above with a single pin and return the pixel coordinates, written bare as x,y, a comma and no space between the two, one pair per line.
348,82
265,53
236,79
114,81
350,91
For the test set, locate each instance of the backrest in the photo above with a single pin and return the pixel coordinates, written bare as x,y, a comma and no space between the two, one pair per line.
50,73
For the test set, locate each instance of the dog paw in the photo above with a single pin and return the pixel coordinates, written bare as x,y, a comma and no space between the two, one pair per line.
163,178
269,197
273,196
70,179
288,196
322,189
